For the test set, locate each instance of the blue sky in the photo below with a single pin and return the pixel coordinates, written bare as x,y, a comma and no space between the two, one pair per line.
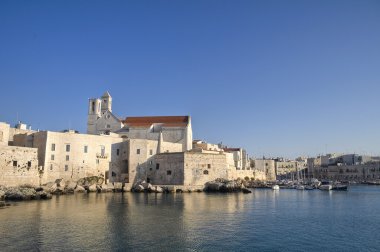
282,78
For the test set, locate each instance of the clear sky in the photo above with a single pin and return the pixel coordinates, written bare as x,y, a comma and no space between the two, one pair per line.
279,77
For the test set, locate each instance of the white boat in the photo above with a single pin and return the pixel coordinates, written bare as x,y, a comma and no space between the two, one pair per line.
275,187
300,187
325,187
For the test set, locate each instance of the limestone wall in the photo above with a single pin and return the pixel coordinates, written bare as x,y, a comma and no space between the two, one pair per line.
18,166
88,155
141,156
4,134
167,169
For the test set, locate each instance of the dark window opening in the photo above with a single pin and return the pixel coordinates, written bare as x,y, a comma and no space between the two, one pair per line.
138,151
66,167
150,152
157,166
14,163
113,174
169,172
52,147
205,172
117,152
209,166
29,164
67,147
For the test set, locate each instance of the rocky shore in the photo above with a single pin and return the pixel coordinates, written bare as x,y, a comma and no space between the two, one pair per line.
96,184
223,185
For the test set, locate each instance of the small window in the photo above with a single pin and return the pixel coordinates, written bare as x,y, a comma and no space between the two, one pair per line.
169,172
150,152
157,166
97,161
108,126
14,163
150,162
85,150
67,157
138,151
205,172
52,147
108,116
29,164
102,150
51,167
117,152
52,157
66,167
113,174
209,166
67,147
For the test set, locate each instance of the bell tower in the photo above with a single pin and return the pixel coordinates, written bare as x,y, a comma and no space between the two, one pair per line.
94,112
106,102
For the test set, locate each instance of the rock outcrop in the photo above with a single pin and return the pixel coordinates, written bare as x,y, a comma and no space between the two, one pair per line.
223,185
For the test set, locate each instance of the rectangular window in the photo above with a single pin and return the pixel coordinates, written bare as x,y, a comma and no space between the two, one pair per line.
52,147
66,167
209,166
102,150
14,163
150,152
29,164
67,147
97,161
157,166
169,172
117,152
138,151
108,126
67,157
85,150
52,157
51,166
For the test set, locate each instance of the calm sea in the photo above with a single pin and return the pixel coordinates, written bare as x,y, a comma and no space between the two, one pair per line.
266,220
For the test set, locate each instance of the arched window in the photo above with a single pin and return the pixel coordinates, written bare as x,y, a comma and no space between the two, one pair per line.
205,172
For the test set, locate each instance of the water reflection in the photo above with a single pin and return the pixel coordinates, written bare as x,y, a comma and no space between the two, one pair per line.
263,220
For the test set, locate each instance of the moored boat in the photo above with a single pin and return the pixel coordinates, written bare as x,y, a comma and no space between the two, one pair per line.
326,187
275,187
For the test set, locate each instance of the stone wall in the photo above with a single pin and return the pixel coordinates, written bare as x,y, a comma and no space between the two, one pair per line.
4,134
18,166
88,155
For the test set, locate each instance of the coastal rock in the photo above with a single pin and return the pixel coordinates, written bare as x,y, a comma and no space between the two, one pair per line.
118,187
71,185
93,188
223,185
245,190
159,189
79,189
44,195
139,188
60,183
127,188
108,187
89,181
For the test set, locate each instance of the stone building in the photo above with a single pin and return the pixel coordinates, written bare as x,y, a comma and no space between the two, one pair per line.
18,165
159,149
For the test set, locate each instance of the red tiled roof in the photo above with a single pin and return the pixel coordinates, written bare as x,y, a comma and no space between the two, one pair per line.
166,121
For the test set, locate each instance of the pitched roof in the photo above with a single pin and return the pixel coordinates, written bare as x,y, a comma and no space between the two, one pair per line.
106,94
166,121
